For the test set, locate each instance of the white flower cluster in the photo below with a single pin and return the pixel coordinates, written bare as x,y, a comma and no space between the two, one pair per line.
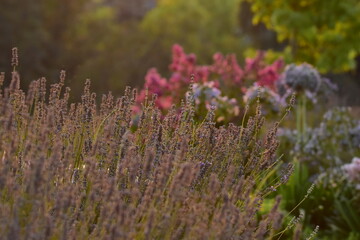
353,171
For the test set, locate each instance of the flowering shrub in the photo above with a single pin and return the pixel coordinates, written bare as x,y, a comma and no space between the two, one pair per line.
324,160
223,83
355,136
334,205
331,144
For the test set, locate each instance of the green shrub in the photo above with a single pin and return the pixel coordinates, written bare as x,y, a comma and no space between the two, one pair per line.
334,206
334,142
324,33
320,160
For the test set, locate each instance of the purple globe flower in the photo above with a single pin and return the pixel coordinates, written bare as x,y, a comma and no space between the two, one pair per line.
302,77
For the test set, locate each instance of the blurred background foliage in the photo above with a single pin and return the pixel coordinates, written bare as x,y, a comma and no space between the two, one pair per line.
115,42
323,33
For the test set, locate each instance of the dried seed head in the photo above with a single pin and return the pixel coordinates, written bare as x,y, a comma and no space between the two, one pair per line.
15,81
309,191
2,79
192,78
15,57
292,102
62,76
247,108
134,94
313,234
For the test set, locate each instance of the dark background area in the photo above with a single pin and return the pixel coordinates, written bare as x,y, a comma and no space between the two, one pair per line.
114,43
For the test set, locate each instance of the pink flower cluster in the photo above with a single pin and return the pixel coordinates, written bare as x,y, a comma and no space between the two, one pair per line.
257,72
225,74
155,84
228,69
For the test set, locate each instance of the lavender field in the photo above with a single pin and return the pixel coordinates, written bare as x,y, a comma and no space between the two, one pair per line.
174,119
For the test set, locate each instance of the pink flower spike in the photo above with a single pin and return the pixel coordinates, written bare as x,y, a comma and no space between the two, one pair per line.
177,50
